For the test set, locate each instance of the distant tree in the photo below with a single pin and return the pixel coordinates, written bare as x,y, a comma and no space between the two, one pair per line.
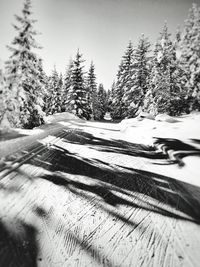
178,40
67,84
53,94
43,80
137,87
42,77
190,56
110,97
116,106
100,107
22,71
77,94
123,82
59,94
91,87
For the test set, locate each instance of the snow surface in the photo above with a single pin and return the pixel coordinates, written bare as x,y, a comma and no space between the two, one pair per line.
86,155
136,130
184,128
145,130
60,116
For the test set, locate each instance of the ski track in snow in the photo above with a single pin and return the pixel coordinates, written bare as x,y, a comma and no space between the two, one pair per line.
90,206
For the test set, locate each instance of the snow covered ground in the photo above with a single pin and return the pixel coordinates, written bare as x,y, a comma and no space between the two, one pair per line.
184,130
82,193
144,130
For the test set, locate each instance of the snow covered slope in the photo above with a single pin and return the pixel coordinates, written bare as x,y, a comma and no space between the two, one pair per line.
86,193
178,141
144,131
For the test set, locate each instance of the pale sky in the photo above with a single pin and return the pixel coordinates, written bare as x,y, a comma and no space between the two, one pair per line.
101,29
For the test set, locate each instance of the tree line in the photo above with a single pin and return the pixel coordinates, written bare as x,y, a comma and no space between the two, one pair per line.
162,79
165,80
27,94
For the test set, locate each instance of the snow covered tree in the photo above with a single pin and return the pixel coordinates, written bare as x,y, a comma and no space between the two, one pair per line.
67,83
4,98
166,91
60,93
91,89
190,56
2,104
177,41
138,85
43,79
22,71
100,105
116,107
102,100
77,94
122,84
53,97
110,97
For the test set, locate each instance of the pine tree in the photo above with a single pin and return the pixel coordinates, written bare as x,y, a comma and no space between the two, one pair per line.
91,89
8,105
22,71
43,80
59,94
53,93
190,56
110,98
77,94
166,91
122,84
102,101
138,85
3,102
67,85
100,104
116,107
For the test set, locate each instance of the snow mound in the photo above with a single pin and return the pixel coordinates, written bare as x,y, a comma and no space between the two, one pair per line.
64,116
145,115
166,118
179,142
29,132
144,131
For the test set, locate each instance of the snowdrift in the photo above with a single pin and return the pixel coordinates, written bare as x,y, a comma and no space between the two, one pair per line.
14,139
9,133
176,138
185,127
64,116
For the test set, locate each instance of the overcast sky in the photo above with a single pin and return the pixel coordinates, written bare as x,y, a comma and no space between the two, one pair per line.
101,29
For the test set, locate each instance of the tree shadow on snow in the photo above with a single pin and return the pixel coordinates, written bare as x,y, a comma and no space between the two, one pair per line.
110,186
18,248
114,146
8,135
166,150
116,185
176,150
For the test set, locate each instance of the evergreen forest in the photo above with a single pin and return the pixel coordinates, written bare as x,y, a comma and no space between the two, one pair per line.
159,78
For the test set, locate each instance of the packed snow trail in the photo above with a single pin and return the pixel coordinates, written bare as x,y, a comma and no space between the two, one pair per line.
80,195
